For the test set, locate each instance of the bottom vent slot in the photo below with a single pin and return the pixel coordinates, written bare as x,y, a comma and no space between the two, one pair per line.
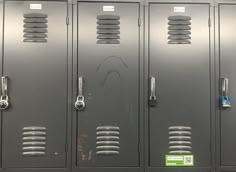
108,140
34,141
180,140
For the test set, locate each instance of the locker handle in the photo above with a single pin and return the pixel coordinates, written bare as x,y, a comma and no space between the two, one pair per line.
4,85
4,100
224,86
152,98
225,101
80,103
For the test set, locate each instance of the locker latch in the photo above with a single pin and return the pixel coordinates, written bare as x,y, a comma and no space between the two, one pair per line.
80,103
225,101
4,100
152,98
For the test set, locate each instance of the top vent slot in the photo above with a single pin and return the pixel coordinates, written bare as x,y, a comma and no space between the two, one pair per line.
35,27
108,17
35,15
108,29
179,18
179,30
35,20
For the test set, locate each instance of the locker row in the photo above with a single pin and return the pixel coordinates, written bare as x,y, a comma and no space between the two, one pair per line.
118,86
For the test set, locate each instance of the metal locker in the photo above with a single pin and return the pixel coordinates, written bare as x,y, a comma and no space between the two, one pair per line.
227,82
108,86
1,46
35,81
179,84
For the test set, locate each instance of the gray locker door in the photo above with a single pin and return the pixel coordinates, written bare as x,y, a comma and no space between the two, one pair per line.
108,61
1,45
227,69
35,61
180,66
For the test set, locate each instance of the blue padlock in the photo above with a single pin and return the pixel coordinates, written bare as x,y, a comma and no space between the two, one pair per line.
225,102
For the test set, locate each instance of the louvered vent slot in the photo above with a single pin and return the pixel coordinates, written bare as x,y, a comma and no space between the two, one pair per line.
179,30
108,29
108,140
180,140
34,141
35,27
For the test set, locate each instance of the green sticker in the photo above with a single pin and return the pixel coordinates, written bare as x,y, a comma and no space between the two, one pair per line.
179,160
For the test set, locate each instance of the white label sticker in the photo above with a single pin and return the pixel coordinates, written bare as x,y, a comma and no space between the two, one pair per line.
108,8
35,6
179,9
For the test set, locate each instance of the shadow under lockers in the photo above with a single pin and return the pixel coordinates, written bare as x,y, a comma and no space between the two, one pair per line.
116,86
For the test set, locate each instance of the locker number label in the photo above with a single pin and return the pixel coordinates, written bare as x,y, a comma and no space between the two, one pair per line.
35,6
179,9
179,160
109,8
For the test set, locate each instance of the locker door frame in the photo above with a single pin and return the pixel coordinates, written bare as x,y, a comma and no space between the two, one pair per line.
67,167
74,166
148,168
219,167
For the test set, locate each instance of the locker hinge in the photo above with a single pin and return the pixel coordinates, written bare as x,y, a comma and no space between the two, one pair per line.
66,147
139,147
209,22
67,20
139,21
